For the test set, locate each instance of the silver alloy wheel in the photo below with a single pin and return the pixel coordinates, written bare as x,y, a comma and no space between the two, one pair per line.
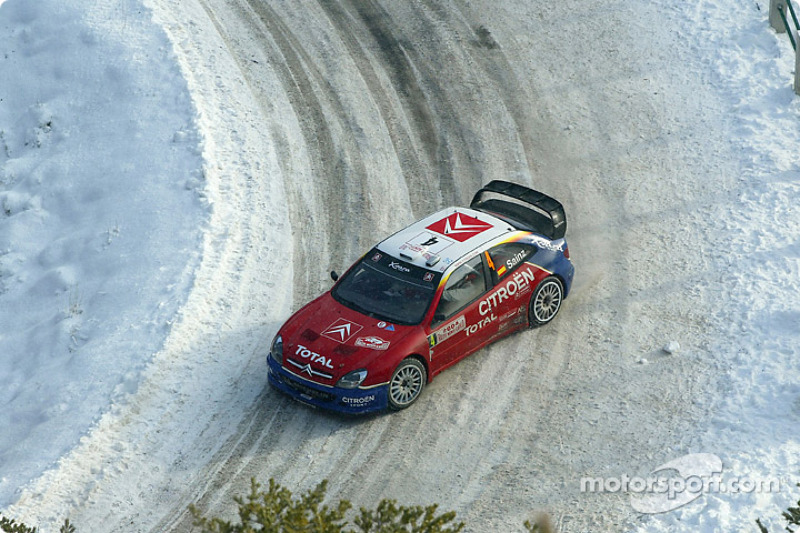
546,301
406,384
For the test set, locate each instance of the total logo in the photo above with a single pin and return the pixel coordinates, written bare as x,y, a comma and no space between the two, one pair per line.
459,226
474,328
341,330
305,353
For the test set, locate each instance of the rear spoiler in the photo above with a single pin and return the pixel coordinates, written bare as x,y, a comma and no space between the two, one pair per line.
523,208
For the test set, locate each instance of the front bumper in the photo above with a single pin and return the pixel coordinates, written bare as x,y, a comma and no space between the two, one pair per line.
350,401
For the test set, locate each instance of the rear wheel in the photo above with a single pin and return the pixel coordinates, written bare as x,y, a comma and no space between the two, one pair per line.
407,383
546,301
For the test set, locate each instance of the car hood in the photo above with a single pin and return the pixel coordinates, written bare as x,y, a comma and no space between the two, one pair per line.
325,340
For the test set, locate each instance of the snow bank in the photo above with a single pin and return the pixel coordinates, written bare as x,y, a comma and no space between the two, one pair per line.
755,274
101,218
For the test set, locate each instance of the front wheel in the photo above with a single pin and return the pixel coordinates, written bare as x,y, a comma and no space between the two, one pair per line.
546,301
407,383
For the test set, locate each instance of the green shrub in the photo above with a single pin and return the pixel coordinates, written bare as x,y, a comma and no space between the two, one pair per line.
792,516
277,510
11,526
391,518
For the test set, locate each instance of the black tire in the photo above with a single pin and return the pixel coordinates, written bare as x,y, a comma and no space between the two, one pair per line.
545,302
407,382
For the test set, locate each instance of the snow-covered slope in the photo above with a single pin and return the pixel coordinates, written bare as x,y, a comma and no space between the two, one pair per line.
753,272
177,176
101,218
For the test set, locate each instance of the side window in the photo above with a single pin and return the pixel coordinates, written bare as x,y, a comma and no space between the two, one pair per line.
465,285
504,258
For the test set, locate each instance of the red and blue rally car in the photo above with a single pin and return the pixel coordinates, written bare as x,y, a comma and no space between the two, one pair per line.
425,298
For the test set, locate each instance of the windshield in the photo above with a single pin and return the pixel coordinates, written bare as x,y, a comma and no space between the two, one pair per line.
388,289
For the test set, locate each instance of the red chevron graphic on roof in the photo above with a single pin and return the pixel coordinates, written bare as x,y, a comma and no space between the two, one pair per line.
459,226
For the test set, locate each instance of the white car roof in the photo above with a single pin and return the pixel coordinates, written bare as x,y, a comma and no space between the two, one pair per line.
441,239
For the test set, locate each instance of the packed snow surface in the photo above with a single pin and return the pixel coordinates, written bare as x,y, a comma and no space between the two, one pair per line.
101,218
177,177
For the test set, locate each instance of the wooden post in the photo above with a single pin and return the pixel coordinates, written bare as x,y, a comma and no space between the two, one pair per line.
775,20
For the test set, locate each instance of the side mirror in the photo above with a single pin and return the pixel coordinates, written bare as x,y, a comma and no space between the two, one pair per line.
334,275
438,317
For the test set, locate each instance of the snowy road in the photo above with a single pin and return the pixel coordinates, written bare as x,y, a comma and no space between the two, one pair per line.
380,113
328,125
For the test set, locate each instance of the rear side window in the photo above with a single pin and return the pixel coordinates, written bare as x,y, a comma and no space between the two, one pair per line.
506,257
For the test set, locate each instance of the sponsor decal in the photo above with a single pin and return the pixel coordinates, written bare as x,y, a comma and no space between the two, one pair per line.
400,268
519,283
474,328
384,325
377,257
508,315
518,316
361,400
447,331
541,242
428,276
375,343
314,357
459,226
341,330
427,243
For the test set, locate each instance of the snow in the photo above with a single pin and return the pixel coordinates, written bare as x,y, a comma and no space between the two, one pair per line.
101,219
672,347
758,419
117,177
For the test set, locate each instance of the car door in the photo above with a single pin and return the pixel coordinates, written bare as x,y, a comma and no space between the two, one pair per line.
458,326
513,284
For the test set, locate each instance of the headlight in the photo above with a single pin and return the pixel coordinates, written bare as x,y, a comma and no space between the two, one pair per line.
353,379
276,350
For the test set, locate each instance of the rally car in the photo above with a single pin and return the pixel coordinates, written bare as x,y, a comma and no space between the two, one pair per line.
425,298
